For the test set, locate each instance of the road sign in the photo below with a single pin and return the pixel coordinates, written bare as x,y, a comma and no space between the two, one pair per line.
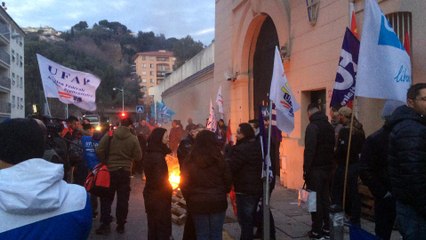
140,109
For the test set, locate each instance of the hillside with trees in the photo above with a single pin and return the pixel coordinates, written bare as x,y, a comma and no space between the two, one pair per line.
105,50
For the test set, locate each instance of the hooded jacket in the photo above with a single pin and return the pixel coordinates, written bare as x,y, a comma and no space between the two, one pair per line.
245,162
124,148
35,203
319,144
407,157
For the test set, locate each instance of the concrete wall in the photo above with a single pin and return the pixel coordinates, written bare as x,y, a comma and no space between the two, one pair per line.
188,90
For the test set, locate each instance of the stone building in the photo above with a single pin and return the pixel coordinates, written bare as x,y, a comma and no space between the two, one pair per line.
309,35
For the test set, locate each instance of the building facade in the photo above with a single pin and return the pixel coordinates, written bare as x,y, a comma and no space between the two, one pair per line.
12,79
309,35
151,68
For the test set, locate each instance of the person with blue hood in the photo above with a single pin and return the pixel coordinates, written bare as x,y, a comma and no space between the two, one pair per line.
35,202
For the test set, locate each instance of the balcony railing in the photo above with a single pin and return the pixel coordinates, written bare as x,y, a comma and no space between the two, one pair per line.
5,82
4,56
5,107
5,32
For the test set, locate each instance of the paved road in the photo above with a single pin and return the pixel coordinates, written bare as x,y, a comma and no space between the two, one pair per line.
291,221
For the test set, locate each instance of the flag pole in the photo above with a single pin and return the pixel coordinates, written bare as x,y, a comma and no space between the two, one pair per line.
348,153
266,222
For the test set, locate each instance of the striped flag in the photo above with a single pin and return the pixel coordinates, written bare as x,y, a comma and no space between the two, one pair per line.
219,101
211,122
266,157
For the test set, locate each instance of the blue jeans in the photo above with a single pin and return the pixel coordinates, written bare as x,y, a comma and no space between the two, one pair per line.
246,208
209,226
411,224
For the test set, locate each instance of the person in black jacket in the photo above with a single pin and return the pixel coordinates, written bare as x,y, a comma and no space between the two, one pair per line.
158,190
407,163
353,199
183,151
318,167
206,179
373,170
245,161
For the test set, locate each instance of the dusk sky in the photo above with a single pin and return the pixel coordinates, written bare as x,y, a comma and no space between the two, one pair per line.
171,17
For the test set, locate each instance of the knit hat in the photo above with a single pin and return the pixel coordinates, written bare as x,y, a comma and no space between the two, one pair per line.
20,140
345,111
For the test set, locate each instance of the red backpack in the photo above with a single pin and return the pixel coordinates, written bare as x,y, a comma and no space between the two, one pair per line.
98,180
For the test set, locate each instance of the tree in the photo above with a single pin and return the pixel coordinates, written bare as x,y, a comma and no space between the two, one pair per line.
82,25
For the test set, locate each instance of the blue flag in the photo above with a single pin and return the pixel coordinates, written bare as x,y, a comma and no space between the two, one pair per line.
164,114
344,86
384,70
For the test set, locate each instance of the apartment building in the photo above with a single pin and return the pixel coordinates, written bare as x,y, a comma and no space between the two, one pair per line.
151,68
12,79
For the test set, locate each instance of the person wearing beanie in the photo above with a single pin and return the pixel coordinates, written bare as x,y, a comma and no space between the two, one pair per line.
245,161
35,201
118,152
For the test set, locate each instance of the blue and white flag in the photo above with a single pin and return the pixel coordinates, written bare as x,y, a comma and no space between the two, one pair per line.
384,67
68,85
344,86
280,93
164,114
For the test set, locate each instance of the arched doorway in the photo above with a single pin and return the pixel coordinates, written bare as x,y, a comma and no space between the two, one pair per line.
263,64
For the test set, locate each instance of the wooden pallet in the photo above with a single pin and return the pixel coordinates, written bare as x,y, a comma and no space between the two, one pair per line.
367,201
179,212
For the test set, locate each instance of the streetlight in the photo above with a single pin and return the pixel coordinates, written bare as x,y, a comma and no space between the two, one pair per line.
122,97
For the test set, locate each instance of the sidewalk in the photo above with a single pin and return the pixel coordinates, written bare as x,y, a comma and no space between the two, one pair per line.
291,222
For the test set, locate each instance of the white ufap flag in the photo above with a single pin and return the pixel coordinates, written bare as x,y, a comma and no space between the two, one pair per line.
211,122
384,67
219,100
280,93
68,85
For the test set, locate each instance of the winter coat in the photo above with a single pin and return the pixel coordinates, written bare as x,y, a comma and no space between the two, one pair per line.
373,168
157,186
36,203
319,144
358,138
176,135
245,162
205,186
124,148
407,157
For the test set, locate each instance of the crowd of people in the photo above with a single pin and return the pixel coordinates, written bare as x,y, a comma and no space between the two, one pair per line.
391,162
37,196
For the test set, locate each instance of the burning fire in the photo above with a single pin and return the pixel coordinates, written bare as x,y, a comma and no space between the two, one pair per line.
174,171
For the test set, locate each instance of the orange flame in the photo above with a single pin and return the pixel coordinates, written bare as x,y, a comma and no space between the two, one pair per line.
174,171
